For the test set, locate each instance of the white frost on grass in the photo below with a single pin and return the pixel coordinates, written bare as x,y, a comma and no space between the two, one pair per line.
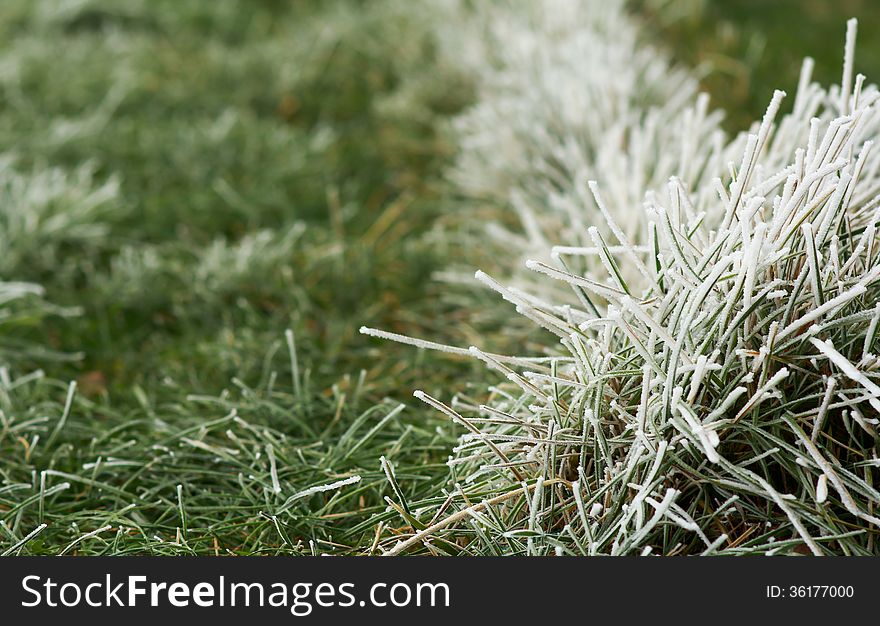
701,322
305,493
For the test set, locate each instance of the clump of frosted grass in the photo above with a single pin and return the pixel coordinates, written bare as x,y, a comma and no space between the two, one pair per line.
20,302
569,91
727,399
44,209
226,267
222,269
43,212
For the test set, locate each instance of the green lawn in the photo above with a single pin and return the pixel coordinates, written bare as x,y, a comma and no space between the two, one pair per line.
220,173
188,180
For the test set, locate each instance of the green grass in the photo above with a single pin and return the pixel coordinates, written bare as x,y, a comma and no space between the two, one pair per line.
256,167
745,49
222,172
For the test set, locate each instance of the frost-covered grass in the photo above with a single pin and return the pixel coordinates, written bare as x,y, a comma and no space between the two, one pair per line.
713,385
201,202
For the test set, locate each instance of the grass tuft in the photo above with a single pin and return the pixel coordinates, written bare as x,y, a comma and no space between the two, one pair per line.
719,395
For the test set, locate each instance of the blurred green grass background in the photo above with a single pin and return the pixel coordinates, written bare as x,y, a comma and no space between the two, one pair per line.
225,171
744,49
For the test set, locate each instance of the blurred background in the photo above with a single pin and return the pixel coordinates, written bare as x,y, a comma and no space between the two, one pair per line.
744,49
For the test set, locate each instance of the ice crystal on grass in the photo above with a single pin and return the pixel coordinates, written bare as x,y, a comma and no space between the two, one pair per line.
714,385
